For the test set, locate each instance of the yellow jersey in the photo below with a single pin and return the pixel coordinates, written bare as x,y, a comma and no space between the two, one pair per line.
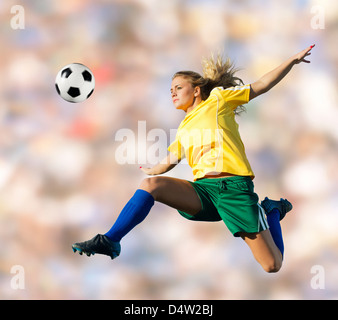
208,136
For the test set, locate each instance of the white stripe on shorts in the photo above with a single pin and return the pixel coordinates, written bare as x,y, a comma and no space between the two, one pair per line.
261,218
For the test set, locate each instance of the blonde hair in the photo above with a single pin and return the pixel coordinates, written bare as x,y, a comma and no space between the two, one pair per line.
216,73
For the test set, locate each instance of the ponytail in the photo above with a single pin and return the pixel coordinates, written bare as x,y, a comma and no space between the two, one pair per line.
221,73
216,73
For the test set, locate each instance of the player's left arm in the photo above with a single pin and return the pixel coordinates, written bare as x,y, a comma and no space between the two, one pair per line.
163,166
270,79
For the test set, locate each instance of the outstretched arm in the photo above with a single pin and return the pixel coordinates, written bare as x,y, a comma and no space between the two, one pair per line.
164,166
270,79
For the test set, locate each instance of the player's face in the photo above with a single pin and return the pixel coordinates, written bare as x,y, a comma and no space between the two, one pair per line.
182,93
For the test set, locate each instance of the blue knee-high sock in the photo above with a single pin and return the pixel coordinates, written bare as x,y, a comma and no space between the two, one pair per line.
275,229
133,213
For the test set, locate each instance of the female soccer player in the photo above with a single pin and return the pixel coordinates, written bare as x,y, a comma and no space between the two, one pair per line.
222,189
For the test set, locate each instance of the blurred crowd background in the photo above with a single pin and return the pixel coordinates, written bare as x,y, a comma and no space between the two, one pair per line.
60,182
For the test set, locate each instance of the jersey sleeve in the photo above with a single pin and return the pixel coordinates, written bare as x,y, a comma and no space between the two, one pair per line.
236,96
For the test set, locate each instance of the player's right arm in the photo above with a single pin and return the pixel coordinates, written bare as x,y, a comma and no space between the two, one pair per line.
163,166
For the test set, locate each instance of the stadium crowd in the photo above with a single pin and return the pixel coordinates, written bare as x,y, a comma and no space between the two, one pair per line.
60,181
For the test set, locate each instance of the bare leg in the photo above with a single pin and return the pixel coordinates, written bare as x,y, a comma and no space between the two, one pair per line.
180,194
176,193
264,250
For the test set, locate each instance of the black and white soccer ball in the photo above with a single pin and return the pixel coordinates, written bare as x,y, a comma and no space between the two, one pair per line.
75,82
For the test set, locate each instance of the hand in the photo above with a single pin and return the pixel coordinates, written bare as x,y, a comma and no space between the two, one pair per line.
148,171
164,166
300,57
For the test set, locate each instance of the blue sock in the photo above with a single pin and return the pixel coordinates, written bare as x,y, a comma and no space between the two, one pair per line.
134,212
275,229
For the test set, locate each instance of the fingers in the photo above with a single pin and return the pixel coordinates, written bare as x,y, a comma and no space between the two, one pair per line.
310,48
306,52
304,60
147,171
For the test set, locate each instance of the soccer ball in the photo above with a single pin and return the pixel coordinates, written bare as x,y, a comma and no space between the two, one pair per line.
75,82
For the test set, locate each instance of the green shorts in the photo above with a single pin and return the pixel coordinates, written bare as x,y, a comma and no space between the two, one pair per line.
231,199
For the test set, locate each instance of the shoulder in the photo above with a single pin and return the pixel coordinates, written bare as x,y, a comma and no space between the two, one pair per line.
237,88
236,93
232,96
230,90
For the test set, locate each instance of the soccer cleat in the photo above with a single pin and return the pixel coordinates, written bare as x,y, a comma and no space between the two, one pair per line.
283,205
99,244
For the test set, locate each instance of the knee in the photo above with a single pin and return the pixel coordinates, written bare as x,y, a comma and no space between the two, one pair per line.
151,185
272,266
